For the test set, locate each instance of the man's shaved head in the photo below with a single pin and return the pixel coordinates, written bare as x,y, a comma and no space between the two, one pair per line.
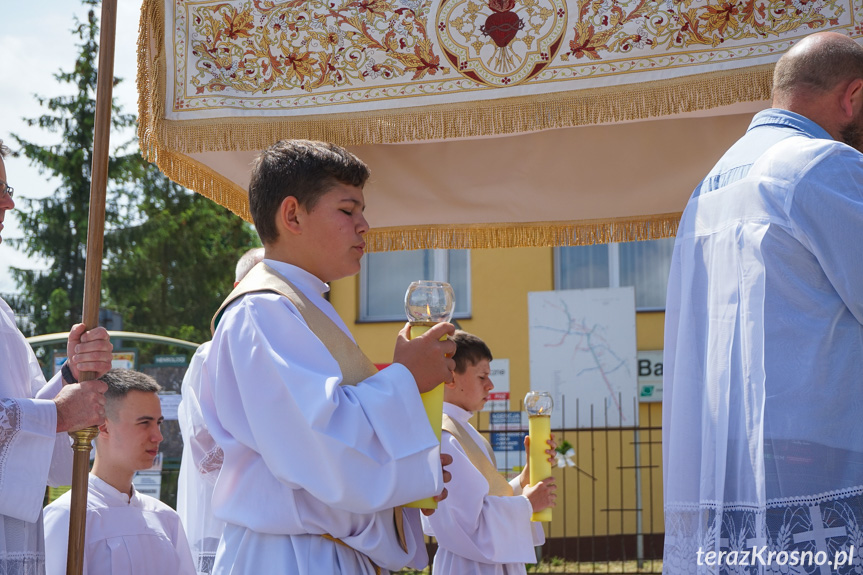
821,78
818,64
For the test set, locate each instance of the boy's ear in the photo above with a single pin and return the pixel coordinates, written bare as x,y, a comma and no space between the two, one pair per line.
103,429
288,216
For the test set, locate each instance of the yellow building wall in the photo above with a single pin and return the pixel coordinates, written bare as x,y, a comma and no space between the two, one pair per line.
599,495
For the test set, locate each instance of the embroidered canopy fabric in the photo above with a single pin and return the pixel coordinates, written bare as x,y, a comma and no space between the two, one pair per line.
446,80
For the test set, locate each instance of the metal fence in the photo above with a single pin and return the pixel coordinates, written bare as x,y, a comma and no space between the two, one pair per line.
608,517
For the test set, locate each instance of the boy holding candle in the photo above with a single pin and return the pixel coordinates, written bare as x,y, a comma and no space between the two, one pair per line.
484,526
319,447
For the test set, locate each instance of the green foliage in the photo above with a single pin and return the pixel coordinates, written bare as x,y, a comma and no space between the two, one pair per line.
169,253
563,447
170,273
56,226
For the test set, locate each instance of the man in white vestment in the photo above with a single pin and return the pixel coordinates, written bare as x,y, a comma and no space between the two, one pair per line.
35,416
127,533
762,417
319,447
202,458
483,527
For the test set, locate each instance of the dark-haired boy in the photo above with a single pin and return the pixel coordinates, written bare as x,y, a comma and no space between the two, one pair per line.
128,533
318,446
483,527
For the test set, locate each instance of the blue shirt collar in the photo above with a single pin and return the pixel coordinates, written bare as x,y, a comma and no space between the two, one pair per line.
788,119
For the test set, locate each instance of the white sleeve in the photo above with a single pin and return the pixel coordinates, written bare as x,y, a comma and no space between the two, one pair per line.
275,390
56,521
477,526
826,214
199,468
27,441
61,462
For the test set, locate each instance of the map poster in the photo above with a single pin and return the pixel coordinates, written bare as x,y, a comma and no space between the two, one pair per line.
583,352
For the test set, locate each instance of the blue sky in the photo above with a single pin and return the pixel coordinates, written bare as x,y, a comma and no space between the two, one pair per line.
36,42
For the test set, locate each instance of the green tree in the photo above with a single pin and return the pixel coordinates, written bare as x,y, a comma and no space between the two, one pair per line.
170,273
56,226
169,253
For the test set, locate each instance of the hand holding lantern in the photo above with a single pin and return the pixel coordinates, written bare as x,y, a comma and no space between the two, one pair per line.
538,405
428,303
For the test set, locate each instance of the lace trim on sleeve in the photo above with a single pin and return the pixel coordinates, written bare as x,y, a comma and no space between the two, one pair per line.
10,425
212,461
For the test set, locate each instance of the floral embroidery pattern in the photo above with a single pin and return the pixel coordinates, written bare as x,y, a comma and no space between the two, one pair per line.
296,57
264,46
613,27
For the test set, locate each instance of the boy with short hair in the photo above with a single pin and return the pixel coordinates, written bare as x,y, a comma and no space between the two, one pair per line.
128,533
319,447
484,526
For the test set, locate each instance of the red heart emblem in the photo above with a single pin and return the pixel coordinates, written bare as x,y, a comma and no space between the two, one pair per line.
502,27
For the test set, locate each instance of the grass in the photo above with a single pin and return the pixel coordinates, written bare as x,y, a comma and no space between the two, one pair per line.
558,565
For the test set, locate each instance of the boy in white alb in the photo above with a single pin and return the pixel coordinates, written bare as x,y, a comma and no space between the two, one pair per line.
319,448
127,533
484,526
202,458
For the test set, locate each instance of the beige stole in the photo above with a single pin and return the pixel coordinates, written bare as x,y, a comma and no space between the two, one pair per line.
354,364
497,485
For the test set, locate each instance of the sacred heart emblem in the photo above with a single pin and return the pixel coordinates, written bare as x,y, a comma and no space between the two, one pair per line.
502,26
501,42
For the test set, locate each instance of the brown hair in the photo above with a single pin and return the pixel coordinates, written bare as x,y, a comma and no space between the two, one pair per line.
121,381
301,168
818,63
469,350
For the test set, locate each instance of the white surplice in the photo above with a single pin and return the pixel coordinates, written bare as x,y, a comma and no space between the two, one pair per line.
125,535
199,468
478,533
32,453
305,456
762,410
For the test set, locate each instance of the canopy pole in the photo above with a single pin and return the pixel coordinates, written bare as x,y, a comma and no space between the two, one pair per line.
93,274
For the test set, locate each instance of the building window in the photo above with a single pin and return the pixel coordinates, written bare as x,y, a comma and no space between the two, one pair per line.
385,277
644,265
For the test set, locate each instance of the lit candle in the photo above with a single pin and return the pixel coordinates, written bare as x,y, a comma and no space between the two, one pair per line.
428,303
538,405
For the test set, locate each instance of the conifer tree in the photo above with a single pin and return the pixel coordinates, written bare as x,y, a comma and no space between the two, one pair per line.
169,253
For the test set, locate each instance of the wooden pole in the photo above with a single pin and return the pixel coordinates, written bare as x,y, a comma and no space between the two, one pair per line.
93,274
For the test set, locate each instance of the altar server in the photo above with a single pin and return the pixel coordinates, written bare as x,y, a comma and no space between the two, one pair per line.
202,458
127,533
319,447
484,526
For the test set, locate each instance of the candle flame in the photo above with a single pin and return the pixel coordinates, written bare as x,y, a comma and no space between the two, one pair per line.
428,311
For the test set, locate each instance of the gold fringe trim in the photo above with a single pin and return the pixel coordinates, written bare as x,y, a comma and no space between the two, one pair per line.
483,118
151,81
521,235
164,143
446,121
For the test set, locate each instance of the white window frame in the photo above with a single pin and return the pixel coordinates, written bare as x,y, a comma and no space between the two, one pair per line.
613,273
440,266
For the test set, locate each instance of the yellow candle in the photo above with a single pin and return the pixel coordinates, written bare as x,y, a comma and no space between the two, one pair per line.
539,428
433,404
